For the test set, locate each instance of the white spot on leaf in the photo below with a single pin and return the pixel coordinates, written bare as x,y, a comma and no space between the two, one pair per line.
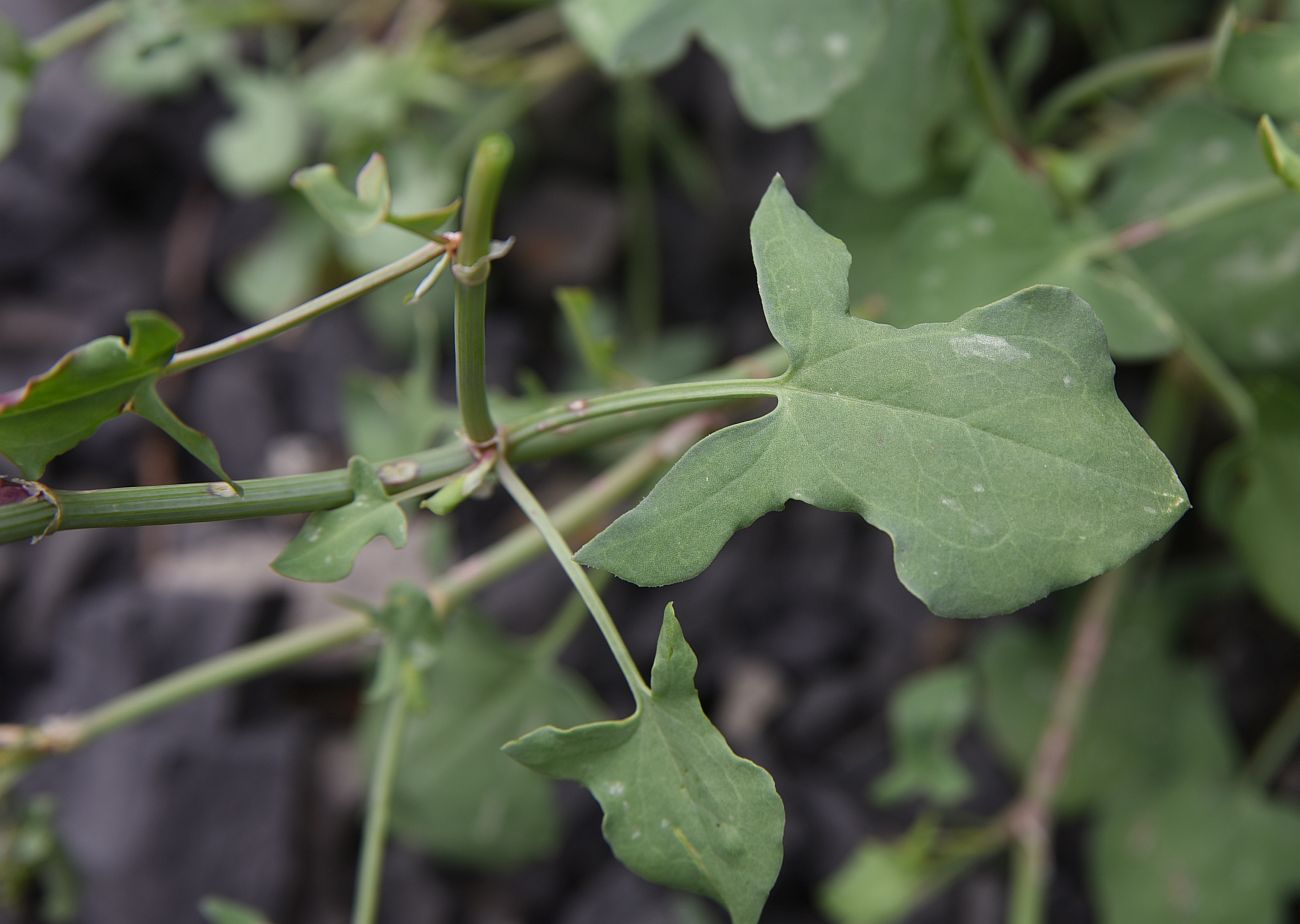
987,346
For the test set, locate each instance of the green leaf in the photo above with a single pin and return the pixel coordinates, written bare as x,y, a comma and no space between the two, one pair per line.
1235,279
255,151
925,715
33,862
1195,853
386,418
992,449
224,911
94,383
150,406
456,795
1257,65
882,128
162,48
1254,486
1005,234
1179,733
1283,158
787,61
353,213
412,643
681,809
16,68
330,540
280,269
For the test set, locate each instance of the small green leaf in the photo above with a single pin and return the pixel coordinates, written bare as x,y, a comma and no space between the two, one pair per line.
93,384
1281,156
255,151
329,542
387,418
161,48
1232,279
412,644
456,795
353,213
1179,733
596,350
150,406
1253,486
681,809
925,716
786,61
1257,65
1194,852
224,911
33,862
993,449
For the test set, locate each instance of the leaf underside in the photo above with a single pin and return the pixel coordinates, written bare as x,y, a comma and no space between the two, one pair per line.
681,809
993,449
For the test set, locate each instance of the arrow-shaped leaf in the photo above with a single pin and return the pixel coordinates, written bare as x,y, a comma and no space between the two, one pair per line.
681,808
330,540
992,449
93,384
360,212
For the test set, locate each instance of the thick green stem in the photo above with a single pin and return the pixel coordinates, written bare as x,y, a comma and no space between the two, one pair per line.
487,173
989,91
1116,73
577,575
77,29
1278,744
305,312
379,810
563,429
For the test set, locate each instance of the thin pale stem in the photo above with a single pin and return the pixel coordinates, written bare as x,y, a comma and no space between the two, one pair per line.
535,512
487,173
989,91
19,745
1277,745
76,29
370,869
1116,73
305,312
1030,820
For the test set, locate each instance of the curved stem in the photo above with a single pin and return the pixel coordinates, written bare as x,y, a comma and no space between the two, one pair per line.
990,92
305,312
487,173
370,868
77,29
1118,72
535,512
1278,743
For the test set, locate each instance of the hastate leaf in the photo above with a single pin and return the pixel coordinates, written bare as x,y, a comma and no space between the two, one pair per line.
681,808
330,540
456,795
993,449
787,61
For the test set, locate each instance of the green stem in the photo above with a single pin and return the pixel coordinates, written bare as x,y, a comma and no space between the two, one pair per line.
487,173
234,667
77,29
551,433
379,809
1278,743
1119,72
305,312
535,512
990,92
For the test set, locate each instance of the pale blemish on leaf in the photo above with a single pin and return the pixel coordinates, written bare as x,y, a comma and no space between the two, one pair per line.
987,346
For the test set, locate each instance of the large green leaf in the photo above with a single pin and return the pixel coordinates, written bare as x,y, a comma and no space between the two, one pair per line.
1151,720
925,716
1196,854
94,383
681,808
1254,484
787,61
456,795
330,540
1235,279
992,449
1258,66
1004,234
256,150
